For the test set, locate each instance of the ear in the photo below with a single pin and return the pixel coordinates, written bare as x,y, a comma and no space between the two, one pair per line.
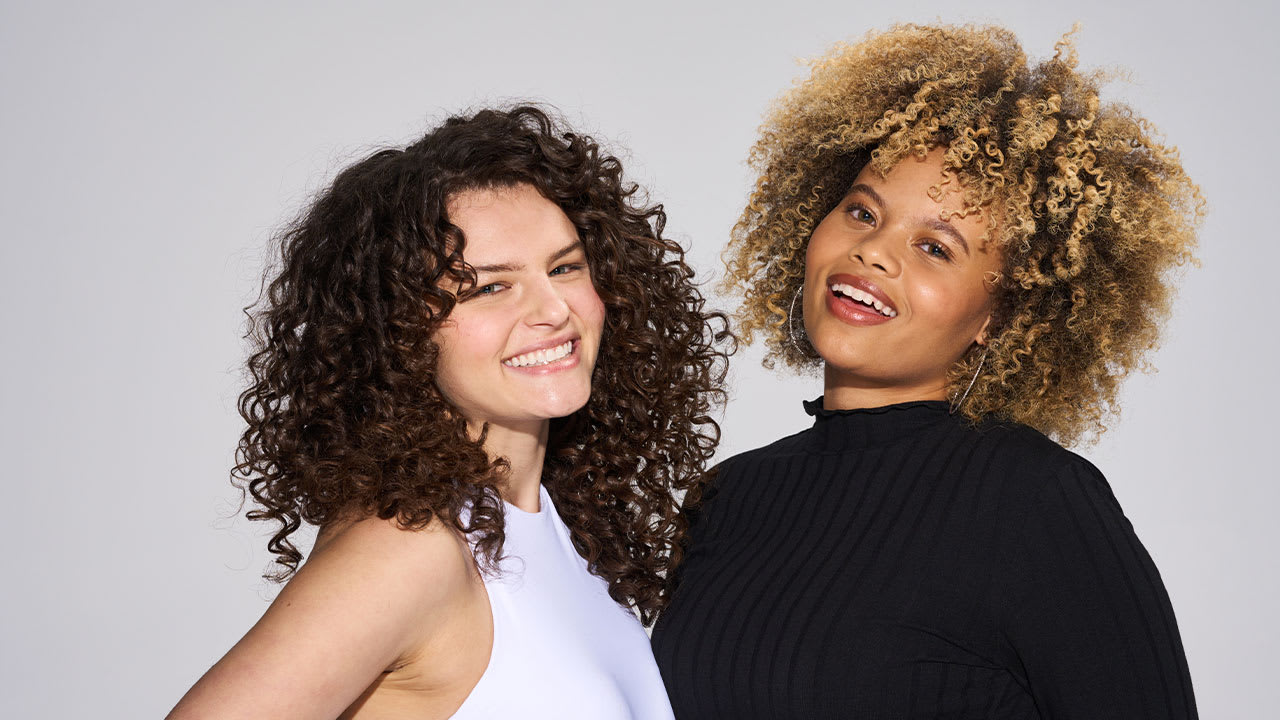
981,337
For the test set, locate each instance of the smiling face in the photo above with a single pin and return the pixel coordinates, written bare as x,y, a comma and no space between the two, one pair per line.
519,348
893,294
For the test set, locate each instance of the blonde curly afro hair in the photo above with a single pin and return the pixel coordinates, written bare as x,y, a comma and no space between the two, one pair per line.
1091,209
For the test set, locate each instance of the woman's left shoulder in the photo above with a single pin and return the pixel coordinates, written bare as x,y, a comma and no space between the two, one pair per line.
1036,468
1015,443
1080,598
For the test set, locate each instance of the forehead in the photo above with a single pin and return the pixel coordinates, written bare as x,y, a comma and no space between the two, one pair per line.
920,186
509,221
912,173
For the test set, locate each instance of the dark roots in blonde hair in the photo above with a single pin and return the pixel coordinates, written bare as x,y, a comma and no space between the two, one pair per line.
1091,210
344,416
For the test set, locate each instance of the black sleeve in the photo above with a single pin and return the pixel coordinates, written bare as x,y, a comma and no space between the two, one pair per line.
1088,621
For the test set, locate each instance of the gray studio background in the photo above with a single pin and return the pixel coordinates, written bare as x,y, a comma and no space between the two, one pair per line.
150,149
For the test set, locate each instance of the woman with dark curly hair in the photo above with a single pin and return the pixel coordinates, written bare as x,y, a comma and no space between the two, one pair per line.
486,376
975,251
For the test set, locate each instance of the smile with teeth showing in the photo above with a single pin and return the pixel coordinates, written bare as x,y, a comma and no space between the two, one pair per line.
545,356
853,293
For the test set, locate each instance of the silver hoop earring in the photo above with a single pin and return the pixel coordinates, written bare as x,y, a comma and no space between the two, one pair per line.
791,330
955,407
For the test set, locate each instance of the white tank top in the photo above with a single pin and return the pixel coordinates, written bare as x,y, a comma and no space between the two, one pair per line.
562,648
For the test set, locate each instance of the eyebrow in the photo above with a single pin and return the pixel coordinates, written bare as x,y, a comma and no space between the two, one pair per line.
866,190
936,224
947,229
513,267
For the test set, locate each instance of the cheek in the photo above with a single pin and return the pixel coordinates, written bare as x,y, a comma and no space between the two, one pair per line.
465,340
823,249
448,360
957,310
817,249
586,304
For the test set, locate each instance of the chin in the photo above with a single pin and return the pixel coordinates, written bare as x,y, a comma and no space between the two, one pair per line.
562,406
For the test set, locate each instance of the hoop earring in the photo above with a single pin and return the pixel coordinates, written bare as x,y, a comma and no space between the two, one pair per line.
955,407
791,330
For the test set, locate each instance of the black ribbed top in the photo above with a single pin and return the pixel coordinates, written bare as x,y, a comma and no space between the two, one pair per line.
897,563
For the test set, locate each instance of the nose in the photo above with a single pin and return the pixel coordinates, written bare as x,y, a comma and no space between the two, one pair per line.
878,250
546,306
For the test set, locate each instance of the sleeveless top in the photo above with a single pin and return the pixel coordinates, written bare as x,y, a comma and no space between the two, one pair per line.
562,648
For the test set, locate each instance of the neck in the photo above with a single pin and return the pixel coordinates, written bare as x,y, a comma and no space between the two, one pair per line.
524,449
843,391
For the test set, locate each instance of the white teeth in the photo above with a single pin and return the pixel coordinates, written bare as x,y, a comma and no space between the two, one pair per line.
540,357
865,298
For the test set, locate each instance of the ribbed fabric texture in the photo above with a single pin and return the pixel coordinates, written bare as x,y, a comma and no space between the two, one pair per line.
897,563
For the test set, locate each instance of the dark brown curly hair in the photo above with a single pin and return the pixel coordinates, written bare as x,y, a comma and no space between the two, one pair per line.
344,416
1091,209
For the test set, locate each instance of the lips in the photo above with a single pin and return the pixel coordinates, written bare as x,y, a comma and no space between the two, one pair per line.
857,301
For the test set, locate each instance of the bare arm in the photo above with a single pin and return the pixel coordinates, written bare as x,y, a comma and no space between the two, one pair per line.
371,595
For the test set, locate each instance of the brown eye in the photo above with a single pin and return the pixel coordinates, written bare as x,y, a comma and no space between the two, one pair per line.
860,214
935,249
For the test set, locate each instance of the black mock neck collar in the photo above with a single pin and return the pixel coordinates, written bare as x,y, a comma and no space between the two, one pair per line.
836,430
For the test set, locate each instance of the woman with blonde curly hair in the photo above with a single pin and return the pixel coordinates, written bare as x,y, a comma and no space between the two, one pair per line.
486,376
975,250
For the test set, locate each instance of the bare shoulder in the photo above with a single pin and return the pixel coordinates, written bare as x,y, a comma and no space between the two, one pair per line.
371,594
414,565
